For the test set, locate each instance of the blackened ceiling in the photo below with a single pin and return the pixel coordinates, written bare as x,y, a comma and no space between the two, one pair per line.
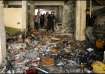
98,2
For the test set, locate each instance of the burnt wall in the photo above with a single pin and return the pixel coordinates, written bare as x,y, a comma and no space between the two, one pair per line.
69,16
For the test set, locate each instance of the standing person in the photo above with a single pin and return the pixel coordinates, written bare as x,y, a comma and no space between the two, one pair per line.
51,22
46,20
90,25
41,21
36,21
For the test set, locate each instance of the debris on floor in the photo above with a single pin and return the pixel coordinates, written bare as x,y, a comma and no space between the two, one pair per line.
50,53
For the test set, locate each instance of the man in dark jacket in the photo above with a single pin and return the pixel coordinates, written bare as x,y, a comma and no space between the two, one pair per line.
42,21
89,26
51,22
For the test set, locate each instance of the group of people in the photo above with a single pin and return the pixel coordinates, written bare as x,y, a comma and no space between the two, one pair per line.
46,21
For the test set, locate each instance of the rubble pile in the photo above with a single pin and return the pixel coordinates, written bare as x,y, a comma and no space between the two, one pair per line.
49,53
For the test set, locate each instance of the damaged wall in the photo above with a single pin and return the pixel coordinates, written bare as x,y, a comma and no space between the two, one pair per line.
2,35
100,27
13,17
69,16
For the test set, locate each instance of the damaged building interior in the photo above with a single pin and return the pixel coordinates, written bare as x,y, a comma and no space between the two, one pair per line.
52,36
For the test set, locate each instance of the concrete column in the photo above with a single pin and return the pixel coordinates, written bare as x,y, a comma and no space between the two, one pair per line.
2,35
68,16
32,12
60,13
24,15
57,13
80,19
